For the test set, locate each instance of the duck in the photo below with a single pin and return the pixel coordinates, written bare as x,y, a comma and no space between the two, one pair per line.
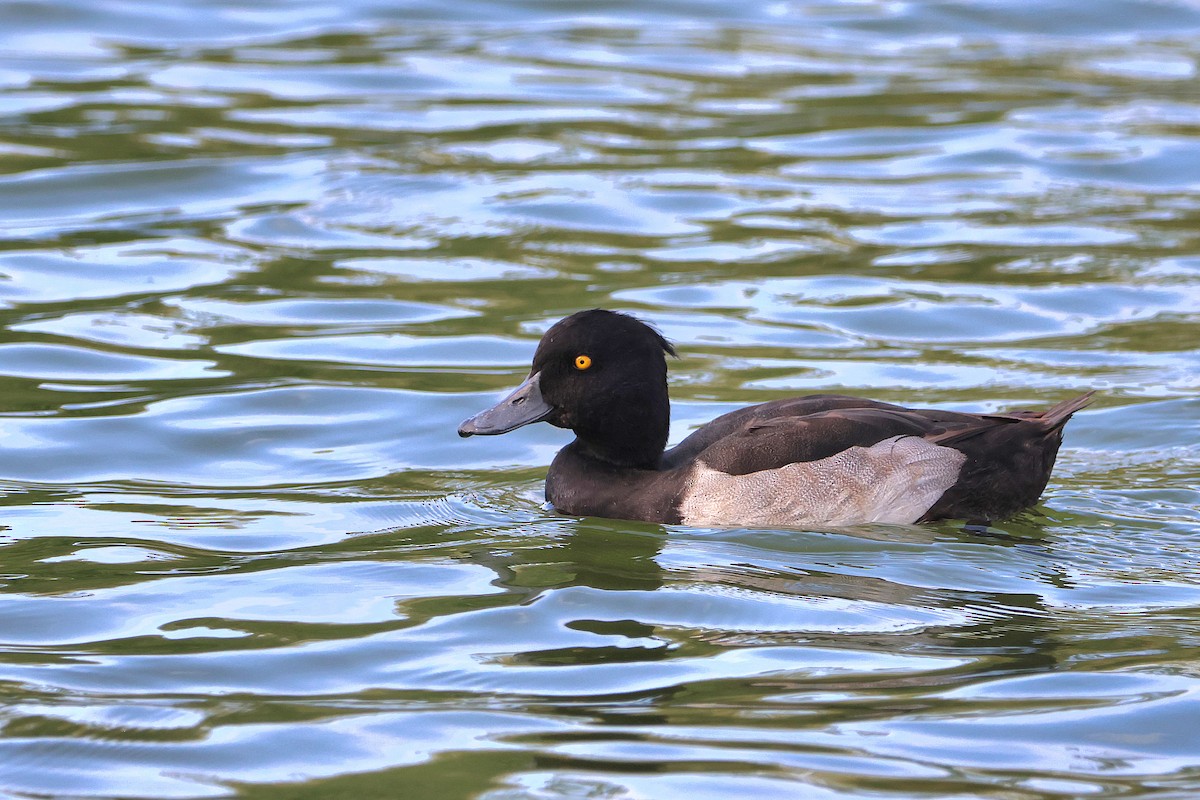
823,460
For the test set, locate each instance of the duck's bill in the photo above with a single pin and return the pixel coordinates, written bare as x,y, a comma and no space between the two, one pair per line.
524,406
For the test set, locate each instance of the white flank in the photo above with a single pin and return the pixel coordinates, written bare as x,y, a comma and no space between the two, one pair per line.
894,481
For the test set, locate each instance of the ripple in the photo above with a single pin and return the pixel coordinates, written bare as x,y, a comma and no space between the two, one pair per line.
257,266
922,311
316,312
926,234
152,266
99,196
421,271
392,349
75,363
341,594
121,329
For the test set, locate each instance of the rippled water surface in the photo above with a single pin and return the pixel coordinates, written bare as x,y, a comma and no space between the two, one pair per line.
257,260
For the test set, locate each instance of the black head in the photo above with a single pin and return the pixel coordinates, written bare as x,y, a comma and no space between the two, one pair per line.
603,375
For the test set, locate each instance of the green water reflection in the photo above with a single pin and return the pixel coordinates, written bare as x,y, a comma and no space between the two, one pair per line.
257,263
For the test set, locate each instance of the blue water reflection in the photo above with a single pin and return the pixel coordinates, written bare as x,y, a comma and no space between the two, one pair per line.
256,263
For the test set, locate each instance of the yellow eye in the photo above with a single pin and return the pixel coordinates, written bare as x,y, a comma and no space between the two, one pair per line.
582,362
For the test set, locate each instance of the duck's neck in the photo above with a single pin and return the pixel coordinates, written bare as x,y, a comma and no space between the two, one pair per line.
633,439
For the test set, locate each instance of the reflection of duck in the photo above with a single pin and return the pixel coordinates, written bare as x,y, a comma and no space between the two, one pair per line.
823,460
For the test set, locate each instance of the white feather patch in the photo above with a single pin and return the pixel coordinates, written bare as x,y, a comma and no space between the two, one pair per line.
894,481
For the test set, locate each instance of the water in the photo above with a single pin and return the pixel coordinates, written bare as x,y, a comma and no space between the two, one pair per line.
258,261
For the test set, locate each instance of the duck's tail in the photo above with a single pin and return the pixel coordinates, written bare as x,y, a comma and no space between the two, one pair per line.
1048,422
1056,416
1009,459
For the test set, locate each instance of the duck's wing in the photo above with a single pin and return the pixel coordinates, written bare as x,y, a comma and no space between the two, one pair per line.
769,443
764,414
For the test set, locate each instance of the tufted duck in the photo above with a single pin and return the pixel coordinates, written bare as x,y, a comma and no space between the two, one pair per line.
820,460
